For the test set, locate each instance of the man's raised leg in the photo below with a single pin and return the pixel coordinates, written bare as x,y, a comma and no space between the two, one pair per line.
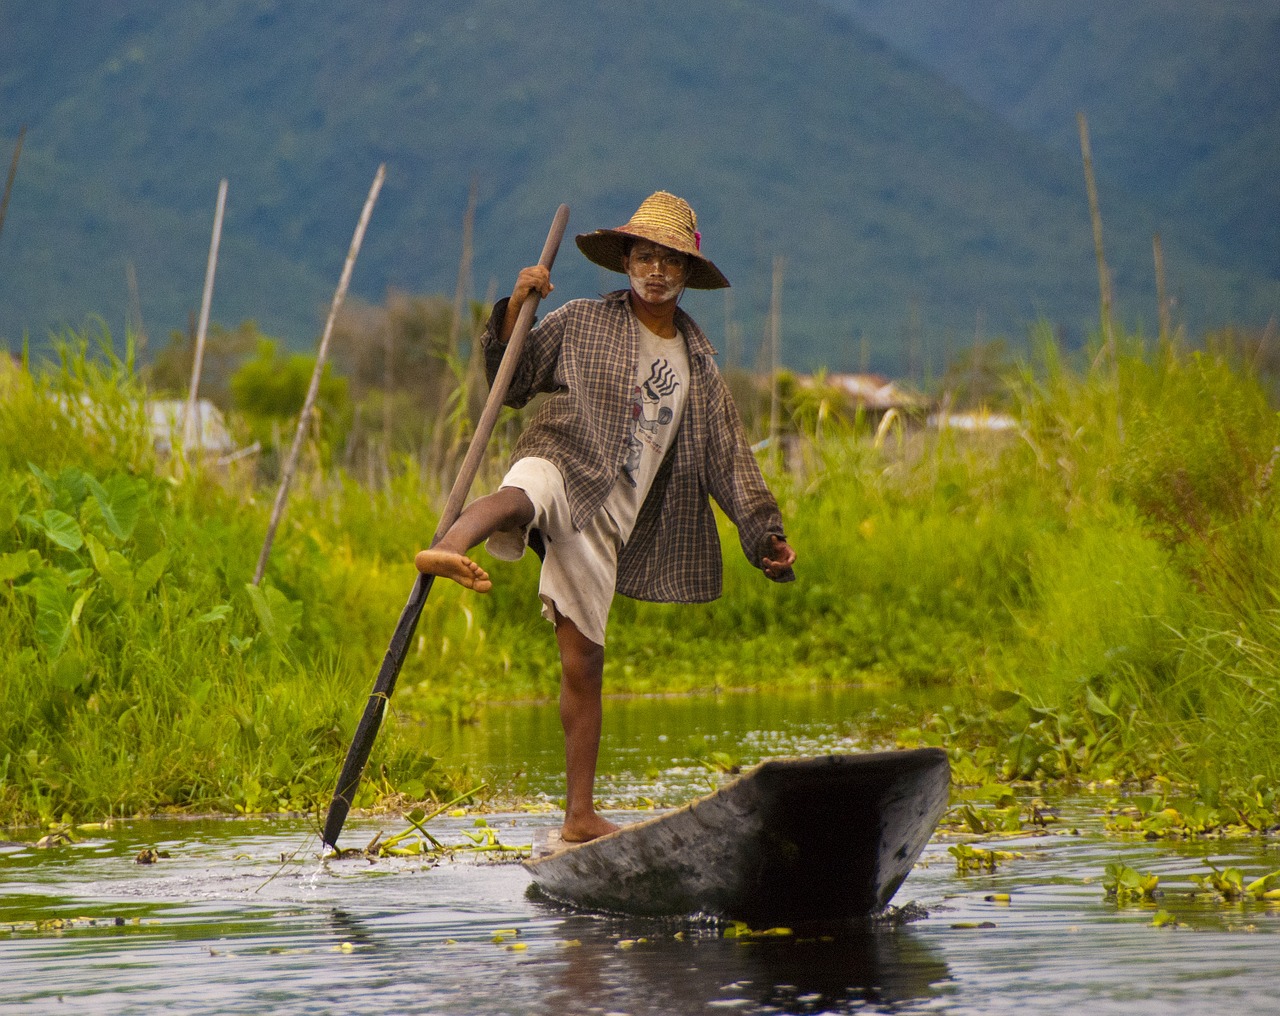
581,684
507,508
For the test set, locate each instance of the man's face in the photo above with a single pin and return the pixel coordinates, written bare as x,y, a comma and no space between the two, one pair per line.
657,273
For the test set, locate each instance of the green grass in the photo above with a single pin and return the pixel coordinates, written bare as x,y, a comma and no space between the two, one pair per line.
139,671
1096,597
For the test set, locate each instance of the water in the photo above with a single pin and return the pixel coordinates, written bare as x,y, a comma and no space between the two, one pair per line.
650,746
242,916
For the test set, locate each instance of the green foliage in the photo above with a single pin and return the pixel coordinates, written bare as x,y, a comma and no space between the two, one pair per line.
169,372
136,672
971,859
269,390
1239,811
1033,585
1127,885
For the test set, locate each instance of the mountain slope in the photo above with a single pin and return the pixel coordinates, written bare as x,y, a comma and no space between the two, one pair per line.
794,134
1182,97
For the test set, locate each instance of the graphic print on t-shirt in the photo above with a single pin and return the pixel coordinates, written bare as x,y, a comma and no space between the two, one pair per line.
650,410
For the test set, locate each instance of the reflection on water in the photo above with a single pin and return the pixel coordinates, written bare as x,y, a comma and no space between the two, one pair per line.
242,916
844,971
649,746
642,970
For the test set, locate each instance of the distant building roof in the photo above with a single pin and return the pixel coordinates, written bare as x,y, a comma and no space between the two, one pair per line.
980,420
869,390
169,419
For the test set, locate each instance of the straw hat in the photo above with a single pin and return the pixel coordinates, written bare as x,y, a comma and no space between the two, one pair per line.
665,219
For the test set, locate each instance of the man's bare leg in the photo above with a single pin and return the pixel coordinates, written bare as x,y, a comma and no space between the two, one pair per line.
581,682
508,508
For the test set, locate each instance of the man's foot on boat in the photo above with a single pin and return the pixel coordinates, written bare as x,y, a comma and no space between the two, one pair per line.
448,564
582,830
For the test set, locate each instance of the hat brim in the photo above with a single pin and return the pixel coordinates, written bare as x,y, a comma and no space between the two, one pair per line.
607,247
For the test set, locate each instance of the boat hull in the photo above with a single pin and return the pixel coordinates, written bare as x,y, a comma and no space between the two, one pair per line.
791,841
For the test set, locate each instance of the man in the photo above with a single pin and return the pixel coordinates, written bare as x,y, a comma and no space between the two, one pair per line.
611,477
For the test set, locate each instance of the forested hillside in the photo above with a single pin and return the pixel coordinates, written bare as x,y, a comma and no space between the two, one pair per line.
904,212
1183,97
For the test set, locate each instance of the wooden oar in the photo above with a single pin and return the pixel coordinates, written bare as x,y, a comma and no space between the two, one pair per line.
362,743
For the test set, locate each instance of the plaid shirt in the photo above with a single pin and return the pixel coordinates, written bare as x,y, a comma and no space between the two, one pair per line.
584,355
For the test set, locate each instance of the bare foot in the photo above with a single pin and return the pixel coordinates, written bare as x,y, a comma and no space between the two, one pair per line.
451,565
582,830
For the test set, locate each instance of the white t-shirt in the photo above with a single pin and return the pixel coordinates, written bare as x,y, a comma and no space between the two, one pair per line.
658,397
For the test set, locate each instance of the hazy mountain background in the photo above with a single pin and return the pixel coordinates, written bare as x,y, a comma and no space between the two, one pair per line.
914,167
1183,98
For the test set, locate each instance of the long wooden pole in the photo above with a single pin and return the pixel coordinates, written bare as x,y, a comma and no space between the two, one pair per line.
730,346
304,419
440,441
134,321
1162,295
1095,216
362,743
13,172
775,360
464,268
191,424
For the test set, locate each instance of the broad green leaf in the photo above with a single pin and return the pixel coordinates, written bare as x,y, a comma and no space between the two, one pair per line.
1265,884
105,509
46,481
8,515
150,570
282,765
62,529
77,608
73,488
69,671
97,553
119,573
219,613
119,502
277,614
54,604
1096,704
199,689
67,490
19,563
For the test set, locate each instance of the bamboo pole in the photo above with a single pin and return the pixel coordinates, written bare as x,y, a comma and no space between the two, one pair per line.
475,380
135,321
1095,216
13,172
730,345
775,357
191,423
388,380
291,463
917,370
441,444
1162,297
464,269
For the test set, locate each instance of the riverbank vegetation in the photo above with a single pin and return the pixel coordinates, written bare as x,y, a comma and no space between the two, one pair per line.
1092,595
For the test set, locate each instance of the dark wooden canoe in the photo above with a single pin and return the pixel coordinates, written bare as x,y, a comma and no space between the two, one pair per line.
790,841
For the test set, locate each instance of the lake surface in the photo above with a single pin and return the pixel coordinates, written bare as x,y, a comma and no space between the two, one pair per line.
243,916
